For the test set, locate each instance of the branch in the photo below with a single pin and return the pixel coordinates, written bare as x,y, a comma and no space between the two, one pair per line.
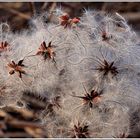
27,17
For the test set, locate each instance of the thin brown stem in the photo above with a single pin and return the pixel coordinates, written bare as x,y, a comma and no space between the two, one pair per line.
32,7
25,16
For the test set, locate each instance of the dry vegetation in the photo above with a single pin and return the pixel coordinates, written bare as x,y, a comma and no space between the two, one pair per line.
71,74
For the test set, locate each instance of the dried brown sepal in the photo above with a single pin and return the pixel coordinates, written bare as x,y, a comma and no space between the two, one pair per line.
91,98
46,51
4,45
16,68
107,67
66,21
80,131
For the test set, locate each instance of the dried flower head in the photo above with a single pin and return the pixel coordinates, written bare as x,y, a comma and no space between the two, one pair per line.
107,67
91,98
67,22
17,68
4,46
46,51
80,131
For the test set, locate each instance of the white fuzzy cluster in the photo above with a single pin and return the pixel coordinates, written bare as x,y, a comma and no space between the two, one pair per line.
98,53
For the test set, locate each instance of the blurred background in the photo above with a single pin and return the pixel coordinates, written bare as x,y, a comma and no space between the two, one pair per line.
18,14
